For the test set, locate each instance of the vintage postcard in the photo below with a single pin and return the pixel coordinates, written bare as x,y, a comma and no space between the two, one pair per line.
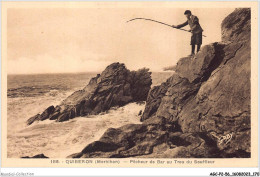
129,84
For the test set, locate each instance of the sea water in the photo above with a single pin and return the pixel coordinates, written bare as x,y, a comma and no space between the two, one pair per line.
28,95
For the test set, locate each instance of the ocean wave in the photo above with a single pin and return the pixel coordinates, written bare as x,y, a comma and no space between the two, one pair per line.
34,91
60,139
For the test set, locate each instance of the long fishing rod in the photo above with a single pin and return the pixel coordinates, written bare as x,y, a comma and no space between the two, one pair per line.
158,22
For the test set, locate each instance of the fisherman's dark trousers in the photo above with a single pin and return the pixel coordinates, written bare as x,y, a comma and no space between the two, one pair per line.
196,39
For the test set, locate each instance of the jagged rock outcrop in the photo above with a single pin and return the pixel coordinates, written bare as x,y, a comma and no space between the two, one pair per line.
41,156
115,86
202,110
219,103
236,26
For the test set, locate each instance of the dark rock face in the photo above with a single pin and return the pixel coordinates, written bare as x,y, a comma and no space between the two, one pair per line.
198,69
217,96
203,110
42,156
156,137
154,100
237,25
115,86
50,110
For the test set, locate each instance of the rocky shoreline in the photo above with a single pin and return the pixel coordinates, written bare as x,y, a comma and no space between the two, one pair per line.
201,111
115,86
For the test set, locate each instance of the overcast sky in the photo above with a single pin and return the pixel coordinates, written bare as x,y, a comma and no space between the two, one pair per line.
62,40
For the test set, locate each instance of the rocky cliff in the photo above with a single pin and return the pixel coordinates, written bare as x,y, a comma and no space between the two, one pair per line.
115,86
203,110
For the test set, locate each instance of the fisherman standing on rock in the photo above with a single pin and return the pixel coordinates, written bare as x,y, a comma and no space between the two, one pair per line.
195,29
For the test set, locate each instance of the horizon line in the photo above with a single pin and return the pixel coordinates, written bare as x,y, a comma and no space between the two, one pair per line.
69,73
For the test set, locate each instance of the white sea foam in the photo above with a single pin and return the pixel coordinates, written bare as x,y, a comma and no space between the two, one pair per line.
60,139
